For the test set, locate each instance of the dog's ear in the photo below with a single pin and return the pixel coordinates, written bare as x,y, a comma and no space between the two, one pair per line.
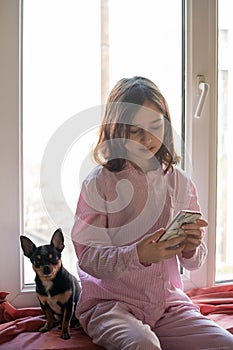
27,245
58,240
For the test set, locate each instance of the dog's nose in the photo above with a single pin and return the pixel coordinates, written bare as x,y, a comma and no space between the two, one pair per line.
46,270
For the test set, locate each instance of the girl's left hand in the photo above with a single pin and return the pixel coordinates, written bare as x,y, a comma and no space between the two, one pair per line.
194,235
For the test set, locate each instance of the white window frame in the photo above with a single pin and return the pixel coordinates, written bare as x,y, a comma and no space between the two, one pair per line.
11,222
200,135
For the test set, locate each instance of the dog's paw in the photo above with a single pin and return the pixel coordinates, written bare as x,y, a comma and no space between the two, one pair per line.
43,329
65,336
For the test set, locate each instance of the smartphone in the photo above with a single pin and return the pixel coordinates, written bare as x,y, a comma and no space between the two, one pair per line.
174,229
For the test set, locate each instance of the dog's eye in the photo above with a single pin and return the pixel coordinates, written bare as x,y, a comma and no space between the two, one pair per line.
53,259
37,262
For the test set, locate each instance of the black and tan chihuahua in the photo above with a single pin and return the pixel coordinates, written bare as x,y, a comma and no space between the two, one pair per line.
57,290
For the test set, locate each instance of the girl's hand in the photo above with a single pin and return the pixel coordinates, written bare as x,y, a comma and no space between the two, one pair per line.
151,251
194,235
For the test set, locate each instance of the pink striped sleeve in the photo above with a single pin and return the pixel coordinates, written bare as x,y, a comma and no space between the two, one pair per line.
93,246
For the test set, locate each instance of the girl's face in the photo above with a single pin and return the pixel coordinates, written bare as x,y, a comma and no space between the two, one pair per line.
147,131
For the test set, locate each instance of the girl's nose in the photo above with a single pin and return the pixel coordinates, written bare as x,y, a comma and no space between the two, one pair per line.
147,139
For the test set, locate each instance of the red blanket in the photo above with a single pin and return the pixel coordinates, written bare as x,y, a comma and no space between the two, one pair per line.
216,303
18,327
18,331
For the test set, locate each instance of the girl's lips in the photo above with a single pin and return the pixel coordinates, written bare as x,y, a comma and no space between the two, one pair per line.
145,149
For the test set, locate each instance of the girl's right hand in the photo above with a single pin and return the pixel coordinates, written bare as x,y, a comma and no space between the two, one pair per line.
151,251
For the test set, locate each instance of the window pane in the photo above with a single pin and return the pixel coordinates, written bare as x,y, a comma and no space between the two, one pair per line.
74,52
61,76
143,43
224,264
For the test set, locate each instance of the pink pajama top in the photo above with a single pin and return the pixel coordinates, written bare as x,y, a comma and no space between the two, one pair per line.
114,211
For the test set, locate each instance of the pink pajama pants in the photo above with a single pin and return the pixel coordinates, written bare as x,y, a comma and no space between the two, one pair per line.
116,328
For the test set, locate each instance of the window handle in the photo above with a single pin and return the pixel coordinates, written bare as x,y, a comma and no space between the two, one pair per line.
203,88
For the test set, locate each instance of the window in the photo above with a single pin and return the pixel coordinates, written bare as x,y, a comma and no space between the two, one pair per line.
201,134
67,73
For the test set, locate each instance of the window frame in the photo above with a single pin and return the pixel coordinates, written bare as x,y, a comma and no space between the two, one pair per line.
201,29
201,134
11,154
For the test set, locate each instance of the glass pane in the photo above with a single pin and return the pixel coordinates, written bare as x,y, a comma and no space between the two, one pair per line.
61,77
146,44
224,263
74,52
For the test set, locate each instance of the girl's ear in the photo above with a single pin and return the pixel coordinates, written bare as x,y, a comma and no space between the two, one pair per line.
58,240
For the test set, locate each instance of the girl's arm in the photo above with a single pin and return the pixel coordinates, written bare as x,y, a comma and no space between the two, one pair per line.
196,259
93,245
195,251
107,262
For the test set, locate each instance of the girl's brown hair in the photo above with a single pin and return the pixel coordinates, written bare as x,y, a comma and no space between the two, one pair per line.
125,99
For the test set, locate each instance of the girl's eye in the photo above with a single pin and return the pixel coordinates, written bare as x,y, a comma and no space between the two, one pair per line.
156,130
136,131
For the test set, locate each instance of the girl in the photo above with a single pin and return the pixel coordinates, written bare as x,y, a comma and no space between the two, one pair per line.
132,294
